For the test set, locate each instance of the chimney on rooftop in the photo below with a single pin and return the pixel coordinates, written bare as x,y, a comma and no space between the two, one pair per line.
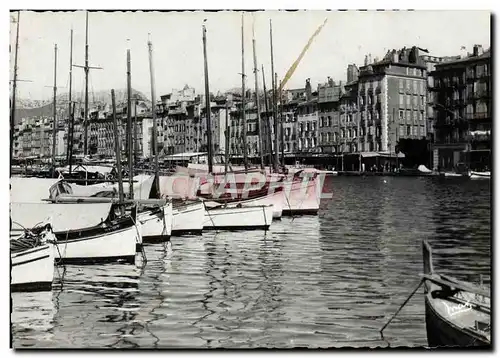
478,50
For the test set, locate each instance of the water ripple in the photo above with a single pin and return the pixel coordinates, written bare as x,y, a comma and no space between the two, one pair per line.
328,281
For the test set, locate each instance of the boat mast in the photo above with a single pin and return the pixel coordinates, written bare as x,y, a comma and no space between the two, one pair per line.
226,138
207,103
268,124
86,69
275,114
135,130
54,122
13,104
261,147
70,118
153,104
117,152
243,116
281,123
129,128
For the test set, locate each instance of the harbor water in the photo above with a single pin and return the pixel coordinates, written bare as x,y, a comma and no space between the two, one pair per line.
331,280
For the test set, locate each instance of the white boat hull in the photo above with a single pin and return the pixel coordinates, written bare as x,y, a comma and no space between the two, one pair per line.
188,218
238,218
33,269
480,175
156,225
300,197
117,245
275,199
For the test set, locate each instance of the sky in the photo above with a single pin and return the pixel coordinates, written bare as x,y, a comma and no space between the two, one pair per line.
178,51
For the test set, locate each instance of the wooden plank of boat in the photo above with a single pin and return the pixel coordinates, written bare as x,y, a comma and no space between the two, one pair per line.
86,199
453,284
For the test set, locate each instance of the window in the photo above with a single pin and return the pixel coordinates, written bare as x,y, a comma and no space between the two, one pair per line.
401,116
422,100
401,85
421,115
329,122
408,100
415,101
422,131
415,87
402,101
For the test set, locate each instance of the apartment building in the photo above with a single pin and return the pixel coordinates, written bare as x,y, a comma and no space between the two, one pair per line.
463,111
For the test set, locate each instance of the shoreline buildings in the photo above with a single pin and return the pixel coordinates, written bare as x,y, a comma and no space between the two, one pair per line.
406,95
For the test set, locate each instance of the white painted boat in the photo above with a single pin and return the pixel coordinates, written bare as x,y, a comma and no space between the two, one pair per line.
301,196
238,218
32,265
274,198
110,241
480,175
452,175
156,223
188,217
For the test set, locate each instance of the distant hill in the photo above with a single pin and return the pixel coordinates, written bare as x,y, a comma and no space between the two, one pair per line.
43,108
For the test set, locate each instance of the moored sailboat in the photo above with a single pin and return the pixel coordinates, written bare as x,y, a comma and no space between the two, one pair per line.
258,217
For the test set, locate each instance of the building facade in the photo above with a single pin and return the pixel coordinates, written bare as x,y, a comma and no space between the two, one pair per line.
463,111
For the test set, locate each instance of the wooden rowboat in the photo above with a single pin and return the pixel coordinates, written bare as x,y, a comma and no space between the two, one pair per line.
457,313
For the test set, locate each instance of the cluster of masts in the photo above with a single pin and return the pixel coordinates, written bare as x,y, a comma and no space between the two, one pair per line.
275,92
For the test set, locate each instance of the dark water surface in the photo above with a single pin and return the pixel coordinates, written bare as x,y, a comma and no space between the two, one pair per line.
327,281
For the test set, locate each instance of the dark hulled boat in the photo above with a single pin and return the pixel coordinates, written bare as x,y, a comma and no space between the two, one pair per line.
457,313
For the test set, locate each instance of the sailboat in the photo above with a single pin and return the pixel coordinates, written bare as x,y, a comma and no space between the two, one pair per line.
223,216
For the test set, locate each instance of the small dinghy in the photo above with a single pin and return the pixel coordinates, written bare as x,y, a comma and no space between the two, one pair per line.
457,313
32,260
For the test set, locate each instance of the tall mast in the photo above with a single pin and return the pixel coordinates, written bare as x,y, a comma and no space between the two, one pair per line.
281,123
54,122
117,152
153,103
275,114
207,104
135,130
86,69
13,104
70,120
129,128
261,147
71,135
244,119
226,138
268,126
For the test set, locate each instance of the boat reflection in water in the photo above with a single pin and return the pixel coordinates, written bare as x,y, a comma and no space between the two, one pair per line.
92,301
32,319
